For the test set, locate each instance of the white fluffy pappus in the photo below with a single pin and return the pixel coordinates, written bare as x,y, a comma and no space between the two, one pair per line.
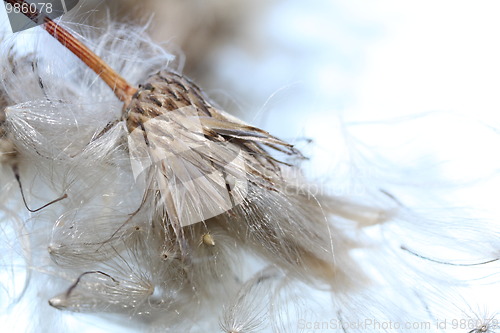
161,248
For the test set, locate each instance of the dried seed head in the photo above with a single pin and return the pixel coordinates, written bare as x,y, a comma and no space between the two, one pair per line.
197,163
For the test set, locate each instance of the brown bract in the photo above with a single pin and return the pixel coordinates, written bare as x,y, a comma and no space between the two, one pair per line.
166,92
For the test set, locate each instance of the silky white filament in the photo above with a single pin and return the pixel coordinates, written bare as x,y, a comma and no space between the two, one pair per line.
177,215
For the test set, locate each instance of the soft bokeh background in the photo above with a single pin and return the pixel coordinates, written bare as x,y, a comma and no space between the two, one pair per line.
415,84
402,95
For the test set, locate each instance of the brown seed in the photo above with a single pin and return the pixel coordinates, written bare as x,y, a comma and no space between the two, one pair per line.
208,239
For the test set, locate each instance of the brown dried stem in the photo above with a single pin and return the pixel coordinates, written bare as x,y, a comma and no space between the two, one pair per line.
121,88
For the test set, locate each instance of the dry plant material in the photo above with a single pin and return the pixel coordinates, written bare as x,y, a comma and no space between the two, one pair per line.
169,198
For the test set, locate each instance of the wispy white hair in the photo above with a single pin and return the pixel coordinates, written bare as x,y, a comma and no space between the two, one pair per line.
120,246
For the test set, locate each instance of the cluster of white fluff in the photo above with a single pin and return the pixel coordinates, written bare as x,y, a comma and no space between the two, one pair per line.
280,259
